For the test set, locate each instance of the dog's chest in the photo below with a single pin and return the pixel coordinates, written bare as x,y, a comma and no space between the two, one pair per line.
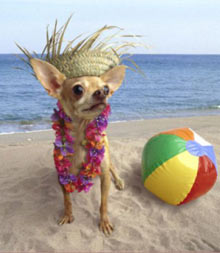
80,152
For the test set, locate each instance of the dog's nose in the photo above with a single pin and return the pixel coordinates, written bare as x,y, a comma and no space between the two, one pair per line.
102,93
99,95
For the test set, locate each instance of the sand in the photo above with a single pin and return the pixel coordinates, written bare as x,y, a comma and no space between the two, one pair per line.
32,202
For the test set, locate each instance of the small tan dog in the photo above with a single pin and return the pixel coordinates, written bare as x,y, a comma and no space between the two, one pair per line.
83,99
82,77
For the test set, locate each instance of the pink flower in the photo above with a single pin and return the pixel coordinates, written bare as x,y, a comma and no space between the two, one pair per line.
69,138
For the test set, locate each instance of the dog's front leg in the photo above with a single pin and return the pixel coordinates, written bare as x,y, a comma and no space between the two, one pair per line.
68,215
105,225
119,183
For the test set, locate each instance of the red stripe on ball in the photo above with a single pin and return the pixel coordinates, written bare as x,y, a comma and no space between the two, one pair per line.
205,179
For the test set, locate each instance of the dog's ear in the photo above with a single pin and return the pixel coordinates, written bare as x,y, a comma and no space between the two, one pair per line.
49,76
114,78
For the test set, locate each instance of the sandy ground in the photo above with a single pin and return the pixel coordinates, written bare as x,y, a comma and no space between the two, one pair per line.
32,202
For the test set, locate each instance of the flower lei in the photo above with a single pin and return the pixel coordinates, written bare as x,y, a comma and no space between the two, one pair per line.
63,149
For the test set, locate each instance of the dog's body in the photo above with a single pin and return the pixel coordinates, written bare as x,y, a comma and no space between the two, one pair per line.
83,99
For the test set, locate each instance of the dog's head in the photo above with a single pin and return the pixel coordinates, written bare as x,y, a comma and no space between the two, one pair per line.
82,97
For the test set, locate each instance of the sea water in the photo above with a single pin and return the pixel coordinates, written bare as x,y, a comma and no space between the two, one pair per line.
173,86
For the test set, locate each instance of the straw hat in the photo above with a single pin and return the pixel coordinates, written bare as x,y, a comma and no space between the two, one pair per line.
89,57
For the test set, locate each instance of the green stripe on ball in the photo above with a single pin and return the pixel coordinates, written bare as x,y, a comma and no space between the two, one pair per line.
168,146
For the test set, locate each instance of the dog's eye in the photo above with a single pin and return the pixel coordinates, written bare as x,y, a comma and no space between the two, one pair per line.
78,90
106,90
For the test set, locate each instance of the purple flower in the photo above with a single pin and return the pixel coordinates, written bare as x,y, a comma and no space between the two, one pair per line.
64,147
83,179
58,142
63,151
63,179
96,155
87,184
55,115
101,122
93,152
72,178
62,115
69,148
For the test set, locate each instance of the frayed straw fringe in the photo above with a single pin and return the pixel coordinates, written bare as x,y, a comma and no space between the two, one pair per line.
87,57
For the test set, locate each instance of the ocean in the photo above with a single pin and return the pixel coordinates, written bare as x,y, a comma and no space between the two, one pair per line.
173,86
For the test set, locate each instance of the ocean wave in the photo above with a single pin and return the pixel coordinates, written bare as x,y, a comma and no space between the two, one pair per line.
34,131
216,107
23,126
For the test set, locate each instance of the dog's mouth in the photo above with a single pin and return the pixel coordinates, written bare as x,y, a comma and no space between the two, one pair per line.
94,107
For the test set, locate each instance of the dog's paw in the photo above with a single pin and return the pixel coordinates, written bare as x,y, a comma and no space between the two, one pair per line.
119,184
66,219
106,227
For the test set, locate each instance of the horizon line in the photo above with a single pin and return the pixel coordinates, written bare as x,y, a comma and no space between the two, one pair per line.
138,54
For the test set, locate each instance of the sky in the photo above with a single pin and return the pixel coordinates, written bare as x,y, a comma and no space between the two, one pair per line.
167,26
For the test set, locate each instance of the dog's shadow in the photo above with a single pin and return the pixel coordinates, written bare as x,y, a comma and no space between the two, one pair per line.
136,187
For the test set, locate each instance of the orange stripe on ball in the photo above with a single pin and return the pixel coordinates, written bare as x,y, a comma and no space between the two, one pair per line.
184,133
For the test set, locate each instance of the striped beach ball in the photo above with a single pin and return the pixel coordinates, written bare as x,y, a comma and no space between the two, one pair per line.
178,166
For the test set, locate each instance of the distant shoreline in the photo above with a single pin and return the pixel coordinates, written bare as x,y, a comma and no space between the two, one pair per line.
124,129
150,54
115,122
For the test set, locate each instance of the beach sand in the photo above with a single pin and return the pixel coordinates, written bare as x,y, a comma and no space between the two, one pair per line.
32,202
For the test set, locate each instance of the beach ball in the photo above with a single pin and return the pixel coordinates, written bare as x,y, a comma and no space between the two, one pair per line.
178,166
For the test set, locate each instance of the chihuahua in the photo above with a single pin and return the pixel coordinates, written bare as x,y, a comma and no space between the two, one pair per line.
83,99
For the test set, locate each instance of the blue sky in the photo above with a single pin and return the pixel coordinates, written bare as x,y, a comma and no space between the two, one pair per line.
168,26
